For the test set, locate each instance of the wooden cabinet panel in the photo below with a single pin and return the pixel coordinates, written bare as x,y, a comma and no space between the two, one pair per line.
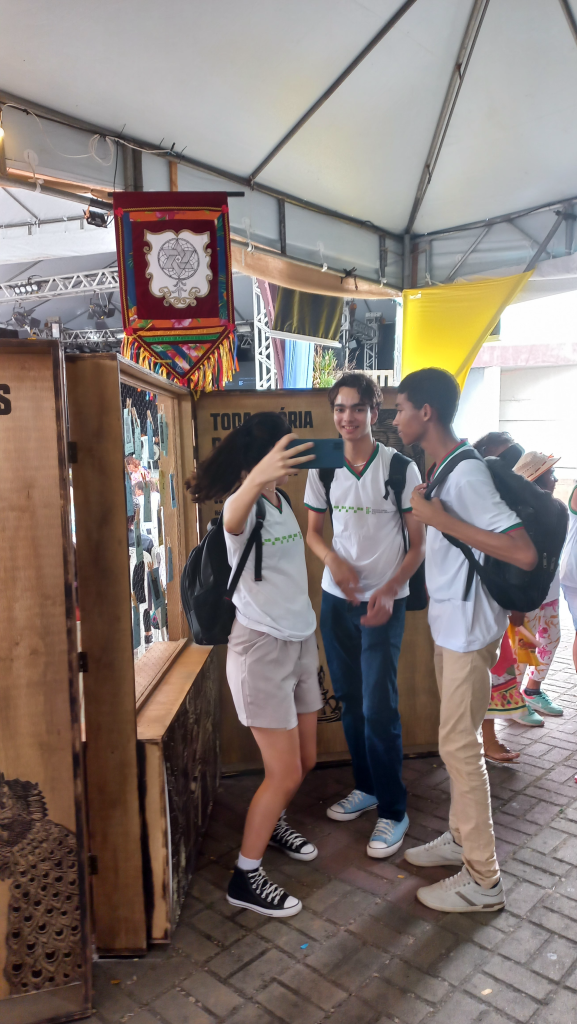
45,949
104,598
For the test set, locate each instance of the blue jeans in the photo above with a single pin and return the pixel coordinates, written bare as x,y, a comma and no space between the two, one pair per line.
363,663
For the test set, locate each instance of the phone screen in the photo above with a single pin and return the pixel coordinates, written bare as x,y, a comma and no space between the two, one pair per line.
328,452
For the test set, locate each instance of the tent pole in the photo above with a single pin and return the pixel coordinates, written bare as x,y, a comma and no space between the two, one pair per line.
570,18
29,106
550,234
527,235
466,254
505,218
282,225
332,88
569,233
452,95
407,261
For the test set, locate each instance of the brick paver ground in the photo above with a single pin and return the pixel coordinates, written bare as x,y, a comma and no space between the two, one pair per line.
364,951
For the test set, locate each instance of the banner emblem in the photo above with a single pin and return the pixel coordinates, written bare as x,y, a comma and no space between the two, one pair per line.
178,266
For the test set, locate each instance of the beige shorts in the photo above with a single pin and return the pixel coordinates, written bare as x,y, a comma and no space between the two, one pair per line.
271,680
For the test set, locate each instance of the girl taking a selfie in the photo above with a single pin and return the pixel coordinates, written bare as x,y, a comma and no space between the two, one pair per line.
272,658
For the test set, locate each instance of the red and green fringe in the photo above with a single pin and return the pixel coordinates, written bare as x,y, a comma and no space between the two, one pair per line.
211,374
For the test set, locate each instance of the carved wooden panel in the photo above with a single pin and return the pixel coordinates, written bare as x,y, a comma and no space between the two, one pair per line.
178,732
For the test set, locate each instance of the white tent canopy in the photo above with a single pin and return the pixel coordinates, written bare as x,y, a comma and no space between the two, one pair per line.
406,142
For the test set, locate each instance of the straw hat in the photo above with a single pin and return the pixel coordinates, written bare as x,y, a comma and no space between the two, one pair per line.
532,465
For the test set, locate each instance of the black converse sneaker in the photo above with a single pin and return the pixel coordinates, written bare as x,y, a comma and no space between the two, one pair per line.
291,842
253,890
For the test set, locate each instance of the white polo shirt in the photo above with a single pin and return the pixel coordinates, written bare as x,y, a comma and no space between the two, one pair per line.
569,554
470,495
366,526
279,604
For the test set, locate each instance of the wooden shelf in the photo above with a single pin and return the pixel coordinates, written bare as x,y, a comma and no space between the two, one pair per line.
151,669
154,719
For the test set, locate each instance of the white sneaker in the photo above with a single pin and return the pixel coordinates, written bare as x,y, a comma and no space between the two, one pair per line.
443,850
461,894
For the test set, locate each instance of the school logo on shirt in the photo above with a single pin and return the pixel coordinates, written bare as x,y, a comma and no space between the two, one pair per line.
361,508
286,538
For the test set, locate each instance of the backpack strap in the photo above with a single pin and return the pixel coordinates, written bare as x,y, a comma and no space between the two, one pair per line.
326,477
466,455
257,531
254,541
396,483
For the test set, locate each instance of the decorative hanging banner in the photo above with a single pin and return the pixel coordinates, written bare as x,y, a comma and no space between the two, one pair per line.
176,285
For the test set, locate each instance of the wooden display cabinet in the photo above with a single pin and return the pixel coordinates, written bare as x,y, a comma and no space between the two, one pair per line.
150,725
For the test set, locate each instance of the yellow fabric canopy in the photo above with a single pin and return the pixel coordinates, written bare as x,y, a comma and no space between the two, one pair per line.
446,325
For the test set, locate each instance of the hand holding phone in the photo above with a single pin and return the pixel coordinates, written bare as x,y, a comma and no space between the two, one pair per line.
328,452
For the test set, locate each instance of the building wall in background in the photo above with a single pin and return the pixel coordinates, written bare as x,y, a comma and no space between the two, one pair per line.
539,408
537,405
478,411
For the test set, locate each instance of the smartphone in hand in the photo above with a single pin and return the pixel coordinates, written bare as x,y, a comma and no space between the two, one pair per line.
329,452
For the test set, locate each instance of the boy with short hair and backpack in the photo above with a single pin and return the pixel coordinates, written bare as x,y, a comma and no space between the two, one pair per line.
467,624
377,547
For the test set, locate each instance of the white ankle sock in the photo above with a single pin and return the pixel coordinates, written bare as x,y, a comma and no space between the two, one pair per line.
246,864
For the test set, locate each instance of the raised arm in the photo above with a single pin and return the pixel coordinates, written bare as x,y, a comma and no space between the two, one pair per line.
515,546
277,464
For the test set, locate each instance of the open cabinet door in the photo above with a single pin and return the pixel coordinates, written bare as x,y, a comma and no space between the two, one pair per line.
45,949
103,573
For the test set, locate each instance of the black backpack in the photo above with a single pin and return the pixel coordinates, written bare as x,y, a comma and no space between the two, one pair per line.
544,518
205,592
417,599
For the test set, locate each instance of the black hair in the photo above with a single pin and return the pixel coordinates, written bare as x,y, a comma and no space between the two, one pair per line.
494,439
237,453
435,387
368,389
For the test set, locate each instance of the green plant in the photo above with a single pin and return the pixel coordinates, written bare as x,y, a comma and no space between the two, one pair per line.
325,369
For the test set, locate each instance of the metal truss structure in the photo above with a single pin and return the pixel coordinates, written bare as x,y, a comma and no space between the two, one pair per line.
372,345
89,282
344,336
90,340
263,347
92,335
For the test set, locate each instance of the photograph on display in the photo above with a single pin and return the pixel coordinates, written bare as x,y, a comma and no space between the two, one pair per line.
149,489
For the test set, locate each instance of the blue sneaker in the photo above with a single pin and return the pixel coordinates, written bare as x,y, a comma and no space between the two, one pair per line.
387,837
542,703
351,806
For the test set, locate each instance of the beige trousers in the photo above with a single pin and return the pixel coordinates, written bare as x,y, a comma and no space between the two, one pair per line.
464,682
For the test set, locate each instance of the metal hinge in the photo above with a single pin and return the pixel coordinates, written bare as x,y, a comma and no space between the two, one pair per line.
92,864
72,452
82,661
